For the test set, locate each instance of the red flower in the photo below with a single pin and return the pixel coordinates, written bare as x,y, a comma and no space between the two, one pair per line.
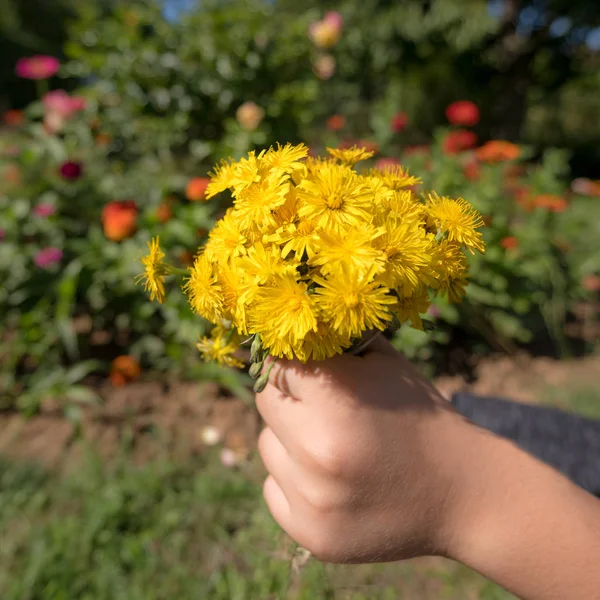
123,370
591,283
463,113
196,189
497,151
119,219
472,171
14,118
336,122
458,141
399,122
509,242
37,67
71,170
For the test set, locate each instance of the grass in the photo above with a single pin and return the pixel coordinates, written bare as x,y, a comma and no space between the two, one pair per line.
583,400
164,531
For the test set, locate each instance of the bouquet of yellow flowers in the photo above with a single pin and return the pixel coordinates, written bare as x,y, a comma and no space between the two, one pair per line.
313,255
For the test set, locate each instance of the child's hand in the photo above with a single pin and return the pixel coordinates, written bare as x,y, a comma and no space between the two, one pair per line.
367,462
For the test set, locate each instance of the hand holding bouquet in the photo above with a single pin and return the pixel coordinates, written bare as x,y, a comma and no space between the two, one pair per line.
313,255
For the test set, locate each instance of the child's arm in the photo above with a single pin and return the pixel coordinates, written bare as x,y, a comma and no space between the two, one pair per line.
368,463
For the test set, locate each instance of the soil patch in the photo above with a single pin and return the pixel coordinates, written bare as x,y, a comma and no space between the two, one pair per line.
153,420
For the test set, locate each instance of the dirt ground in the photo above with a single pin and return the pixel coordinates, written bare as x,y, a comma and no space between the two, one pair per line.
151,419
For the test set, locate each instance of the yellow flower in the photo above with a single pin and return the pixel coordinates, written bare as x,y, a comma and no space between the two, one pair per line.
283,313
321,344
299,239
401,204
155,271
350,156
353,304
239,290
334,249
410,308
287,159
459,219
255,203
226,239
287,213
451,268
220,178
454,288
264,262
334,197
220,347
407,253
204,291
247,171
395,177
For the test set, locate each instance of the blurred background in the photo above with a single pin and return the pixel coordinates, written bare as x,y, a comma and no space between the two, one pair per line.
112,114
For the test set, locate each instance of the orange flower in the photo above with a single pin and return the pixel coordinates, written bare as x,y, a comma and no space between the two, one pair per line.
14,118
12,174
103,140
123,370
510,242
497,151
586,187
164,212
119,219
551,202
524,198
422,150
591,283
196,189
386,163
336,122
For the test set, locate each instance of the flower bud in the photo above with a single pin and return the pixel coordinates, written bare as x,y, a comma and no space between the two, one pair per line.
261,382
256,350
256,369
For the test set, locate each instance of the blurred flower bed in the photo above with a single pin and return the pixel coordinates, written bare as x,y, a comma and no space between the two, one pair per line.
88,177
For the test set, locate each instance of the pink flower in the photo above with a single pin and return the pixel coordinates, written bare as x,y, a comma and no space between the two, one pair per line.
37,67
335,19
71,170
249,115
324,66
48,257
433,311
44,210
2,234
58,101
327,32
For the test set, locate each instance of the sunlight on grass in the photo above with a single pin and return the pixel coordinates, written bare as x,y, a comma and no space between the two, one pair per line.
194,530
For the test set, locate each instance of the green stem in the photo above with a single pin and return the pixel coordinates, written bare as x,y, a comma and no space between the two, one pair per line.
177,271
41,87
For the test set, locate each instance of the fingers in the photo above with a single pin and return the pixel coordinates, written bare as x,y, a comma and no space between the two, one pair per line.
278,462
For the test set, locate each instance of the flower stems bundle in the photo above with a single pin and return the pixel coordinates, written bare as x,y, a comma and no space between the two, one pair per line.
314,254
